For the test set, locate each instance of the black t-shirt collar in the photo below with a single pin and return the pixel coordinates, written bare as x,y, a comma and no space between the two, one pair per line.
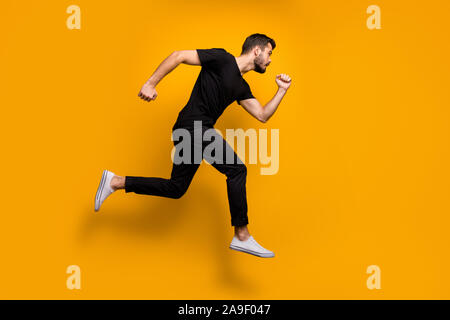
237,66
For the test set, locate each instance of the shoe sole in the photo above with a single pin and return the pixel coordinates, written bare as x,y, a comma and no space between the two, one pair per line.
100,190
261,255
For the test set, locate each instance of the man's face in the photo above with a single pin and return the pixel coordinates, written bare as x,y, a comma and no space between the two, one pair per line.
263,59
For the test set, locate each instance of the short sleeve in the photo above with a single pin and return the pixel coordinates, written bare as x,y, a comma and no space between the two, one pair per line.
246,93
211,58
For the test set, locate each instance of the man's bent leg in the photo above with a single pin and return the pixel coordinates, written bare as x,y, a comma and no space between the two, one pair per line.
174,187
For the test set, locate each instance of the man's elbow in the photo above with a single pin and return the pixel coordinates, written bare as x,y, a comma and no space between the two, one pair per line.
262,118
177,56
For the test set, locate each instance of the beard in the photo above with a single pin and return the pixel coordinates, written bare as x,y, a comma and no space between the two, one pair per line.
259,66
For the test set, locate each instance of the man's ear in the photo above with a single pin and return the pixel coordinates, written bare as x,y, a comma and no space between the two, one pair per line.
257,51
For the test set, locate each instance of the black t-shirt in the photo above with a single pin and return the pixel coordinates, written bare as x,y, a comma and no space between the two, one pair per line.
219,84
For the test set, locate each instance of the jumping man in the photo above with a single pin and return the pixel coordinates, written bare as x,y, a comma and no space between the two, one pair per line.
219,84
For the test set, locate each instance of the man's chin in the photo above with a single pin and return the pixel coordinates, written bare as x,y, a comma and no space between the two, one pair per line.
260,70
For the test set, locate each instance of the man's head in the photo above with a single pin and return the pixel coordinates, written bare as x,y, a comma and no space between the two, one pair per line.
259,47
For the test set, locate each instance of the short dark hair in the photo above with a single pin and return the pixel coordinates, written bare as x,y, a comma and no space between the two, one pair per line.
257,39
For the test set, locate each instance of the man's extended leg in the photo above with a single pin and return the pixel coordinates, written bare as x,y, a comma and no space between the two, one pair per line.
236,173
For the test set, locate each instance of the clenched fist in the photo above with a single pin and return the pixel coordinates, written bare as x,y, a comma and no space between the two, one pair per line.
283,81
148,92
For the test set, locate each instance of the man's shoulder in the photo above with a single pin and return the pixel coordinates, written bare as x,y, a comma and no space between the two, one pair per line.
215,58
221,49
213,53
218,50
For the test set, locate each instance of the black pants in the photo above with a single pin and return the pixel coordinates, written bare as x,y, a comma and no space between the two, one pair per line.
226,162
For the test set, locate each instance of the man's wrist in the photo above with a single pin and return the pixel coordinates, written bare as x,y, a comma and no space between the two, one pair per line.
150,82
282,90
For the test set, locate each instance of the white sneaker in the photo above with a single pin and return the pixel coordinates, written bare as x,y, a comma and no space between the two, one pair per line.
250,246
104,189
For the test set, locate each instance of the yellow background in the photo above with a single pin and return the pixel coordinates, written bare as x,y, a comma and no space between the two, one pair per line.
364,152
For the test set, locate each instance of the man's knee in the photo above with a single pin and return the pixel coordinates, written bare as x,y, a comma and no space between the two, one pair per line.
179,191
178,194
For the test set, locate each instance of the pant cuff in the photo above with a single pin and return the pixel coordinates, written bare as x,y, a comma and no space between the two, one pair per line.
128,184
239,222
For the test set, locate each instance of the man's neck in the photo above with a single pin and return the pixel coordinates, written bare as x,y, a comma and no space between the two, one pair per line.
245,63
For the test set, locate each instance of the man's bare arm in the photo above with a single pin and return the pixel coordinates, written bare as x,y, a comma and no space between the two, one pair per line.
263,114
148,91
